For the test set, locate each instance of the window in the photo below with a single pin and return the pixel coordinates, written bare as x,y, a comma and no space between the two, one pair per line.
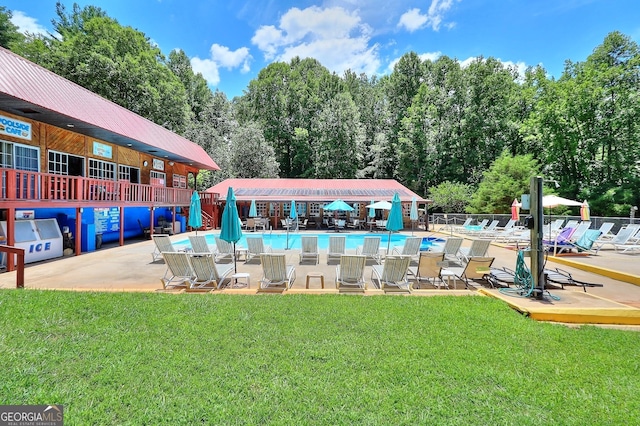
99,169
131,174
261,209
21,157
65,164
179,181
6,154
158,178
314,209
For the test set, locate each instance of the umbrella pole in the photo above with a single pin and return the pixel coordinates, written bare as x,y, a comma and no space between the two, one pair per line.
235,264
388,243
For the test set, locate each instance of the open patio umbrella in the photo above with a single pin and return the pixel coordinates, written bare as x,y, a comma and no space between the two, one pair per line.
380,205
338,205
231,226
394,221
195,212
552,201
253,212
413,214
515,210
585,213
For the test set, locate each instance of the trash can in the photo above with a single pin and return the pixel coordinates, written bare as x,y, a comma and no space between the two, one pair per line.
98,241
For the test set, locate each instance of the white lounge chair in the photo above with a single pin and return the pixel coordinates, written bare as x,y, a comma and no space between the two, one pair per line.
163,244
336,248
275,271
411,248
208,275
450,248
370,248
309,248
255,247
199,244
621,240
392,273
476,269
223,250
478,248
179,273
350,272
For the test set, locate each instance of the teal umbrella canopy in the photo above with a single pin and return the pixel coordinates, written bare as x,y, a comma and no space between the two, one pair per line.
231,226
413,214
195,212
338,205
253,212
394,222
293,212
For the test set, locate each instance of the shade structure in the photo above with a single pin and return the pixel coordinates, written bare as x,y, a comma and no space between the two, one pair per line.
585,213
515,210
552,201
413,213
231,226
380,205
338,205
195,212
253,211
394,221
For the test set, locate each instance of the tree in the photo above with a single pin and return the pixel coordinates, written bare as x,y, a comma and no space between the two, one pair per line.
251,155
197,91
508,177
450,197
9,34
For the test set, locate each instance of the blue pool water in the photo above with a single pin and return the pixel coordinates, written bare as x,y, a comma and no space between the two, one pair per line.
280,240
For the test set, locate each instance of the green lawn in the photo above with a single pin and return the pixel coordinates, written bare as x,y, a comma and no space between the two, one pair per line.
306,359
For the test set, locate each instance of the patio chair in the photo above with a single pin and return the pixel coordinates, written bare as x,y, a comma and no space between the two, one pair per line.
256,247
208,275
521,278
199,244
450,248
501,277
561,242
621,240
479,248
474,228
275,271
179,273
309,249
432,268
303,225
224,249
605,231
336,248
562,277
163,244
392,274
370,248
476,269
286,224
350,272
462,227
489,231
581,228
165,226
146,231
411,247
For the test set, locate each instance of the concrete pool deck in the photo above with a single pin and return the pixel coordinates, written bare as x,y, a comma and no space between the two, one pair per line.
130,268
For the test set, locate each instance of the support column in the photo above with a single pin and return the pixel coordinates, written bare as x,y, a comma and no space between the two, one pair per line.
537,252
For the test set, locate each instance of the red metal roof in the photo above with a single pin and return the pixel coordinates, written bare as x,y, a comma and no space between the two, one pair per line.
28,90
349,190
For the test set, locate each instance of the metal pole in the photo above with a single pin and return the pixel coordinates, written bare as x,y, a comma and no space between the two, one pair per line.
537,253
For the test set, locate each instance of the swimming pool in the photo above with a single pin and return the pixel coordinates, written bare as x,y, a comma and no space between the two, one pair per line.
282,241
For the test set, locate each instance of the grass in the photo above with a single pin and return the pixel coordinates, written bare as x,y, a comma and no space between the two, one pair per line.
303,359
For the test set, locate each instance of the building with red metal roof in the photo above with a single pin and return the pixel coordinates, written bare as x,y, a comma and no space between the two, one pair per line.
91,165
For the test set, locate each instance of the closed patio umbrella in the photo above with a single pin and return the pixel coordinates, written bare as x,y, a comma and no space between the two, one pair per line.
413,214
293,214
515,210
231,226
195,212
253,212
394,222
585,214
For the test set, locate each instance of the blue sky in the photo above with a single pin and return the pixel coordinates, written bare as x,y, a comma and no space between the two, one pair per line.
230,41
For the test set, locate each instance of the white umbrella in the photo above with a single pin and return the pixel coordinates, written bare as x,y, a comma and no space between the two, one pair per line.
382,205
552,201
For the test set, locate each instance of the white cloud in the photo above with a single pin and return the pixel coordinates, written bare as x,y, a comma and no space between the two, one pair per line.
27,24
221,57
414,20
334,36
520,67
208,69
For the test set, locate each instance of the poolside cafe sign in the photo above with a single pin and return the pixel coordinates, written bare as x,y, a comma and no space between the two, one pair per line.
15,128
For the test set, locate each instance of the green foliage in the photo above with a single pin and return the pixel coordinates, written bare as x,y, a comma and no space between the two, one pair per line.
508,177
9,34
144,358
451,197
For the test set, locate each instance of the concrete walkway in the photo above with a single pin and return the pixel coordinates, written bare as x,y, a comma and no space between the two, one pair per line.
130,268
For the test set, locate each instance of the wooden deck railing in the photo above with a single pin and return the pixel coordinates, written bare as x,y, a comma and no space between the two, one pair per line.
20,185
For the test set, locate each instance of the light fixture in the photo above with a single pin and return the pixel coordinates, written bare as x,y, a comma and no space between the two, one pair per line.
171,163
71,125
129,144
145,163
